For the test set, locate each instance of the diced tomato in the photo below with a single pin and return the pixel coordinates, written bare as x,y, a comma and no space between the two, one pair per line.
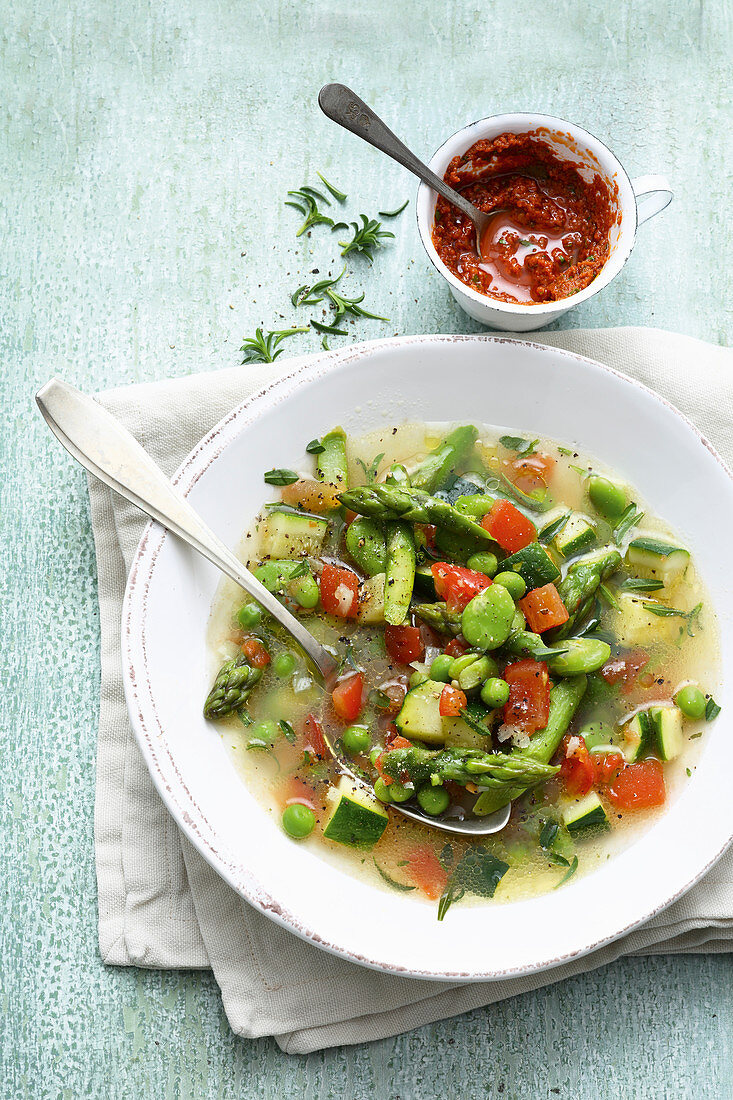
456,647
430,532
508,526
313,736
543,608
528,707
577,769
297,791
638,786
404,643
607,766
624,669
255,652
350,517
395,740
312,495
347,697
529,473
452,701
426,871
456,584
396,694
339,591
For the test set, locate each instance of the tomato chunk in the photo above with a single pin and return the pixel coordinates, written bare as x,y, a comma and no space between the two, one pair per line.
452,701
607,766
625,668
426,871
456,647
347,697
577,769
339,591
255,652
508,526
639,786
543,608
530,472
528,706
396,693
313,736
404,643
456,584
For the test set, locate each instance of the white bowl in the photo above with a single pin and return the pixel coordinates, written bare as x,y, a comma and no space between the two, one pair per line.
636,201
520,387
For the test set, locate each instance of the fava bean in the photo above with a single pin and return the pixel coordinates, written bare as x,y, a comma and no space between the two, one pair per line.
475,673
607,498
440,668
382,789
483,562
398,793
691,701
582,655
304,590
514,583
487,620
367,544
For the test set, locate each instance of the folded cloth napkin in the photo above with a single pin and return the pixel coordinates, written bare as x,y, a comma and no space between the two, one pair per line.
161,905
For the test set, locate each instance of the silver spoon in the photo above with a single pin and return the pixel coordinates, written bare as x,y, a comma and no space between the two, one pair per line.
341,105
98,441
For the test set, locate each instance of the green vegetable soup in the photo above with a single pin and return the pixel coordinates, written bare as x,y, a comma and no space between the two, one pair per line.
514,627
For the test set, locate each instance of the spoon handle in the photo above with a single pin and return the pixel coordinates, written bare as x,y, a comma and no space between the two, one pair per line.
104,446
341,105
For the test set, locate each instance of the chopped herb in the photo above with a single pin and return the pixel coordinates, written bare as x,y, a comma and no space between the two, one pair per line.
388,878
569,873
244,718
693,736
338,195
307,204
548,533
329,330
691,617
474,721
315,447
394,213
630,517
288,731
527,244
263,348
367,236
555,857
319,292
639,584
502,240
370,472
281,477
605,592
689,773
324,344
548,834
564,450
518,444
477,872
712,710
380,699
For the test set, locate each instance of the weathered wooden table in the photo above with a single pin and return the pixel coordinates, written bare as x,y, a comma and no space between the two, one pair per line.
146,152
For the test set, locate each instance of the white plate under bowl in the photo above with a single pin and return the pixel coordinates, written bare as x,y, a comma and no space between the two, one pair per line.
519,386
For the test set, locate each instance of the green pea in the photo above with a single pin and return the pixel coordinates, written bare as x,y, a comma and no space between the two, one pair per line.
249,616
418,678
433,800
398,793
495,692
483,562
691,701
440,668
298,820
487,620
382,790
265,731
475,673
283,664
365,541
514,583
607,498
305,591
581,655
375,754
356,739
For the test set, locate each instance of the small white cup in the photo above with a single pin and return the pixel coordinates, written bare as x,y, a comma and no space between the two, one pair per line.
636,201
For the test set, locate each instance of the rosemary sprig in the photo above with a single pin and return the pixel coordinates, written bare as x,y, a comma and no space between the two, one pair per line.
264,347
367,236
324,291
308,199
340,196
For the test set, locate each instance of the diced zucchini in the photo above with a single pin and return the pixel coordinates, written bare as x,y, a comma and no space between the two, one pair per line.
371,600
668,729
534,565
291,535
636,624
577,534
660,559
357,818
420,717
585,815
424,580
640,737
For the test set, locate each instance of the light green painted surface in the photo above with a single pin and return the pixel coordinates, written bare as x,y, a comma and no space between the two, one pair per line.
146,149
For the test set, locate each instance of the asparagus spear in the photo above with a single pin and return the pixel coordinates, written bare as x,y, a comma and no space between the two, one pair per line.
426,766
233,684
439,617
578,587
400,572
564,701
391,502
434,469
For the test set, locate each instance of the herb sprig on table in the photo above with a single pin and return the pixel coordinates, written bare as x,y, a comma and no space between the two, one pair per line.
264,347
366,237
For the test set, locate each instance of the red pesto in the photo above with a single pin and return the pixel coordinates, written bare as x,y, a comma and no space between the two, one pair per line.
549,235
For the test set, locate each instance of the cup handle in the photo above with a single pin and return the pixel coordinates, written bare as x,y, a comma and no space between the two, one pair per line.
653,194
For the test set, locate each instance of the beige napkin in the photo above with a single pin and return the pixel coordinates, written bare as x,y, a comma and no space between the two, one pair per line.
161,905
